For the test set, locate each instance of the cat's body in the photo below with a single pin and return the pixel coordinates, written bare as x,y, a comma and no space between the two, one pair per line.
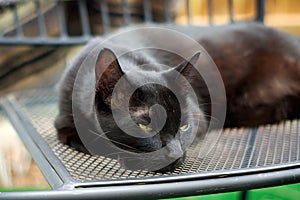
260,68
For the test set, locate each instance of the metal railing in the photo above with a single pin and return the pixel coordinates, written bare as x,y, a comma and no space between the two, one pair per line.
57,15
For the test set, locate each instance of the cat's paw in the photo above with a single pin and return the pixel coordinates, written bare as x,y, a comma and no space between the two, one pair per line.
70,137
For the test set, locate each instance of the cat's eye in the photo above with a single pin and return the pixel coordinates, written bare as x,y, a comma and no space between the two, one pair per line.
145,128
184,127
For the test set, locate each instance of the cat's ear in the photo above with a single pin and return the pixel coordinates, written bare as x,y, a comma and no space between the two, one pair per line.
186,66
108,72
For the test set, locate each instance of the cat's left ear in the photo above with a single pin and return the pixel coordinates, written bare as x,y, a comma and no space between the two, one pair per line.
186,66
108,72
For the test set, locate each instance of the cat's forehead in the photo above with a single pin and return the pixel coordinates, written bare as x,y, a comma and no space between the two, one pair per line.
140,77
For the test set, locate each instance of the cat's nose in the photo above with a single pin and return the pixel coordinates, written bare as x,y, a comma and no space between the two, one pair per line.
141,117
142,120
174,149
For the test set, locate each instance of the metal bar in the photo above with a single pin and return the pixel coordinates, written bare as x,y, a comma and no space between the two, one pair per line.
205,175
248,148
297,141
167,10
147,10
251,148
230,9
1,31
104,16
239,148
188,11
260,149
84,18
282,143
244,195
268,145
290,141
63,40
275,146
222,138
61,19
168,190
231,150
225,147
18,24
41,20
56,174
49,173
210,12
260,7
126,15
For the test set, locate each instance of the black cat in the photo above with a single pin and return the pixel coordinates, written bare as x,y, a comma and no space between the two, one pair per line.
260,68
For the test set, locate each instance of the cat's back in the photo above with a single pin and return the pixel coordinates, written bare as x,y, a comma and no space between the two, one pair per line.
66,86
251,49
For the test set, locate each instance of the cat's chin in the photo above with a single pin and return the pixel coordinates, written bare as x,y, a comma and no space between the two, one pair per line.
171,167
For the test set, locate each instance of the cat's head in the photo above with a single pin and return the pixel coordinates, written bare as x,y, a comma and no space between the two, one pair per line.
174,125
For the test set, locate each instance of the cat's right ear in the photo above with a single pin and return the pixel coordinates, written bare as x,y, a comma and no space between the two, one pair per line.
108,72
187,65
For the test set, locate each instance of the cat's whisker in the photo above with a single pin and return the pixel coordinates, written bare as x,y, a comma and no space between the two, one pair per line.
139,100
120,143
116,153
98,135
95,133
202,121
203,104
199,115
205,115
212,118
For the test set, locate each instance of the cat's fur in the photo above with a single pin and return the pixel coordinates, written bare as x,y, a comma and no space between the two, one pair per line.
260,67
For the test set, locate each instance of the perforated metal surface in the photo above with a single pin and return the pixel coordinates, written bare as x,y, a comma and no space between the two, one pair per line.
242,155
230,152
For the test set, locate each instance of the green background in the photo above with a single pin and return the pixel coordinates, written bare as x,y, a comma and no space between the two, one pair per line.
286,192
